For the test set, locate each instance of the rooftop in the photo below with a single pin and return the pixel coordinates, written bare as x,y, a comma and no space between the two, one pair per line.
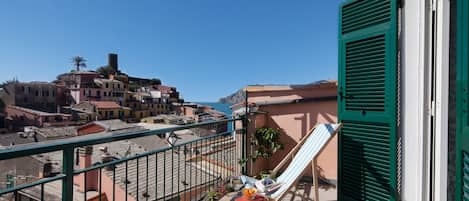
36,112
105,104
57,132
264,88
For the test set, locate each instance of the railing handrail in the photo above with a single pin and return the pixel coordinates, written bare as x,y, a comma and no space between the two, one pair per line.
93,139
151,152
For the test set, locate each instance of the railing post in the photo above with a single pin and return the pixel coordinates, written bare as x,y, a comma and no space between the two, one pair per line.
245,133
67,170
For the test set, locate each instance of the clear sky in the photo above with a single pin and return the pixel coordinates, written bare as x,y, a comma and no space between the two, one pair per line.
206,48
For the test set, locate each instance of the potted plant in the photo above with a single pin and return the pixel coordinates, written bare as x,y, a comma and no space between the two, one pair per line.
266,141
212,196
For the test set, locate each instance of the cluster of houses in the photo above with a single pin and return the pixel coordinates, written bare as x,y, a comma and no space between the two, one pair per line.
83,103
79,97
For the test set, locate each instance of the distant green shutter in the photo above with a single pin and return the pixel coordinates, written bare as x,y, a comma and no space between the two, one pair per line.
462,120
368,100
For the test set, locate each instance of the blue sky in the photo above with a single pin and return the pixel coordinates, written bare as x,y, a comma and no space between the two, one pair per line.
206,48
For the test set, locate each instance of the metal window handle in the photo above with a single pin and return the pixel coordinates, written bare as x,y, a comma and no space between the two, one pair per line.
342,95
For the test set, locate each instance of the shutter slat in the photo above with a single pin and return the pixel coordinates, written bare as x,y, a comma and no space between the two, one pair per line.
375,12
357,60
367,82
465,184
462,101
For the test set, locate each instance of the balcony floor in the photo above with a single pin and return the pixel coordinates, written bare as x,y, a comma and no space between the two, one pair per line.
302,192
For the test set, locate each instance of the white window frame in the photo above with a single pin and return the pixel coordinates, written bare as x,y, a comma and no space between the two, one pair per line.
415,106
442,8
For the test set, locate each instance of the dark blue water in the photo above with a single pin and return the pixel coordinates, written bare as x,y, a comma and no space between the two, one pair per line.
222,107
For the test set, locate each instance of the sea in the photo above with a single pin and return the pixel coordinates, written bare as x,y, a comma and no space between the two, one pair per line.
222,107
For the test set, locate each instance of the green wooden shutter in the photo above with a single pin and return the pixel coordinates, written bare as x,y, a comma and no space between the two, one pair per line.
462,102
368,100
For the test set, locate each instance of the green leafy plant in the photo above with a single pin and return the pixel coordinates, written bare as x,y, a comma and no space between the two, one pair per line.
212,196
106,70
265,174
267,142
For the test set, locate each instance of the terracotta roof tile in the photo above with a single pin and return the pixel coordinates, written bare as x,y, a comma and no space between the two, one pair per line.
105,104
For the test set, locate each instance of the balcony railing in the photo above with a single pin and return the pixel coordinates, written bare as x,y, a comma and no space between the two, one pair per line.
178,171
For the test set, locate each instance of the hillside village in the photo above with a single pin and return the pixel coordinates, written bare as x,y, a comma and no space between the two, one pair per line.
82,104
80,97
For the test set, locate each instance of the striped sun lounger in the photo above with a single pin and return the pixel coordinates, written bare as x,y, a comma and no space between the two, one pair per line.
301,156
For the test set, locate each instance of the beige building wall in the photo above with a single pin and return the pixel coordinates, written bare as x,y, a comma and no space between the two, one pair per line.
295,121
295,111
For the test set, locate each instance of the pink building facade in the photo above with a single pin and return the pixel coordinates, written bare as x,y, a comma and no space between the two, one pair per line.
294,110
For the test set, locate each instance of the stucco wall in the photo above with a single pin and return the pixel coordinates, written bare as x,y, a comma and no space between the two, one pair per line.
295,120
305,107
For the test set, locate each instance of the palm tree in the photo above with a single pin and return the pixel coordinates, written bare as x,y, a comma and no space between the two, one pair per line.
78,62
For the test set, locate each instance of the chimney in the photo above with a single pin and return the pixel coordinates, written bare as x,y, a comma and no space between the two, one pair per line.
85,154
112,61
47,170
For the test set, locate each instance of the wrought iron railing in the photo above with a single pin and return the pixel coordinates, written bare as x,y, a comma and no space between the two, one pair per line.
179,171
